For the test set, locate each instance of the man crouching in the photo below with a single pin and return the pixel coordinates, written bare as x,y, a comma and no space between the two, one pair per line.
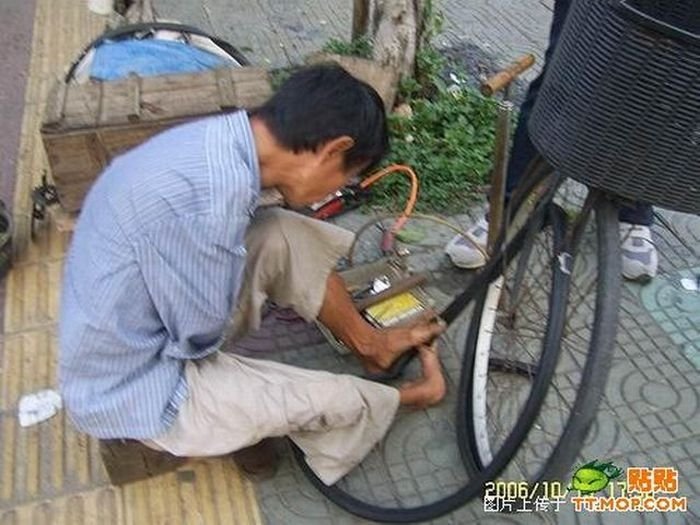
170,254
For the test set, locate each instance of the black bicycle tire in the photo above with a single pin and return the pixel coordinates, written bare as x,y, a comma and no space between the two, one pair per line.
474,487
602,345
131,29
598,357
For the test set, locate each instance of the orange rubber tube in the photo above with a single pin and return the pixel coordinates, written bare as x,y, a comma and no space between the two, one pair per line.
388,241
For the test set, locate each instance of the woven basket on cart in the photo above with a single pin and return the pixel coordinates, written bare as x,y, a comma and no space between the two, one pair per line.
88,123
620,105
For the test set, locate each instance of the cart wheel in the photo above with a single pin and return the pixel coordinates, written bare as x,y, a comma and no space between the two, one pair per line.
42,196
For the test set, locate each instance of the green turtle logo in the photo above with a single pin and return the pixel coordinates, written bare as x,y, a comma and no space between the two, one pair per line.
594,477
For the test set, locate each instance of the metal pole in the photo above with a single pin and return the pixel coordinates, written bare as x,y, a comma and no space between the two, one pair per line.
500,168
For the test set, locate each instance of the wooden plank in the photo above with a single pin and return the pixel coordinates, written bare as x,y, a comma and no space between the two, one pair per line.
116,103
134,84
55,103
179,81
127,461
187,102
82,107
252,86
226,89
117,141
70,153
101,120
71,196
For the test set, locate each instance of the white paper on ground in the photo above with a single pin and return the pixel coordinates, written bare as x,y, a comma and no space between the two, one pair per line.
692,285
39,406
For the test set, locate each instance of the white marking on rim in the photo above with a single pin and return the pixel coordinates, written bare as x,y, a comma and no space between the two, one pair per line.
481,369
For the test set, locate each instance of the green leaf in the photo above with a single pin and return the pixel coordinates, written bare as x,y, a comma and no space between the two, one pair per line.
360,47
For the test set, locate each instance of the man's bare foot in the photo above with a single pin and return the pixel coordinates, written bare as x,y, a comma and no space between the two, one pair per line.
431,388
387,345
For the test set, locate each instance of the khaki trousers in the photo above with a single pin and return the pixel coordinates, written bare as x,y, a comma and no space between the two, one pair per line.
235,401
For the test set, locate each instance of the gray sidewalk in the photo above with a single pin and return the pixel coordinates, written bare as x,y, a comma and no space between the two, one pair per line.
280,33
650,415
651,412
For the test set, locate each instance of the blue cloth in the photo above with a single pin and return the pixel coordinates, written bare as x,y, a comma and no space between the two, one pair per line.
113,60
154,268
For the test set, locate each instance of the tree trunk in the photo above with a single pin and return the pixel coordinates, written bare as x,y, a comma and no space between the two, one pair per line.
395,27
360,18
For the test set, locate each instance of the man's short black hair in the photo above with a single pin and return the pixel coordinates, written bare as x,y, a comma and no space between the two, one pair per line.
321,103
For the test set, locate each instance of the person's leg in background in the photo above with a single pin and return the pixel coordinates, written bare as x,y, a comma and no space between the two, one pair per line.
459,249
640,259
639,254
523,151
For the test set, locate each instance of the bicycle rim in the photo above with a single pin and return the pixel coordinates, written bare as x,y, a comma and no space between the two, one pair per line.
510,339
508,329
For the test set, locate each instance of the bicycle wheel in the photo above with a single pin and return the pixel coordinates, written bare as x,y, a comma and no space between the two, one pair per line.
511,330
387,489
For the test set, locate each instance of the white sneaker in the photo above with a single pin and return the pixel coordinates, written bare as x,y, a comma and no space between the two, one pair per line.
640,259
462,252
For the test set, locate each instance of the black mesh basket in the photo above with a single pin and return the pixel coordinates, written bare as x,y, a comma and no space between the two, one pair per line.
620,105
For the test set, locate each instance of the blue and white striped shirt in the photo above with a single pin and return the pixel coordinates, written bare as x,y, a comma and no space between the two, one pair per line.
153,270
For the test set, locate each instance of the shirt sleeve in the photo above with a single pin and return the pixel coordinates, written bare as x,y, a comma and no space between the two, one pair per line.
193,269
